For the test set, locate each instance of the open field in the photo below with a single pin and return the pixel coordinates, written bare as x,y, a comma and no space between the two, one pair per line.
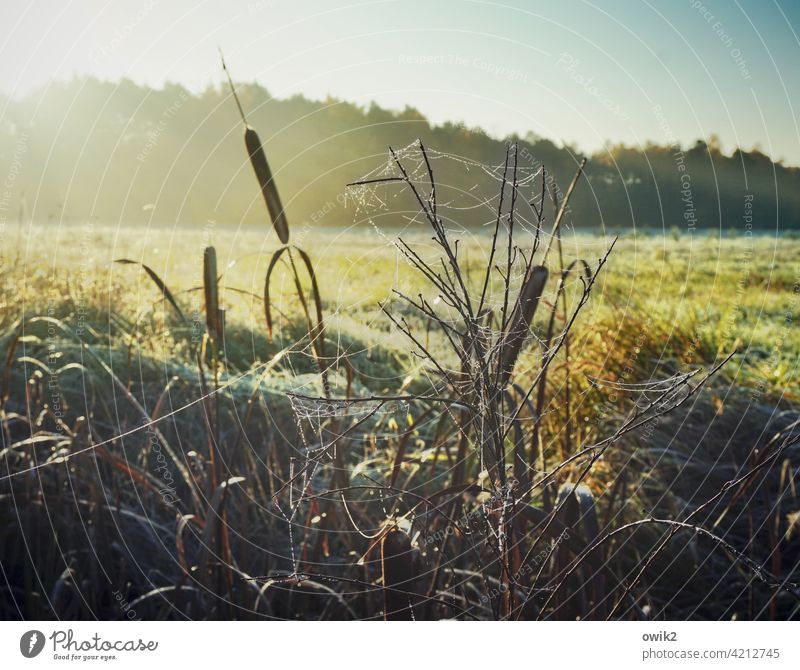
719,294
110,378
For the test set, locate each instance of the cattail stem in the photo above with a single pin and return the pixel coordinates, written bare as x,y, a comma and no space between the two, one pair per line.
562,210
233,88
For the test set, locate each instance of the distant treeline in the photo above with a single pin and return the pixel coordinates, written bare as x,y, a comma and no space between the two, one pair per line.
91,150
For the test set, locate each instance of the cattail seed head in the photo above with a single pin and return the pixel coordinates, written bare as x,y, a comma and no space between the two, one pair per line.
521,319
258,160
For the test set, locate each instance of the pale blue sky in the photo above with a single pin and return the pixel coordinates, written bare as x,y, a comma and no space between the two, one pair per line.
581,72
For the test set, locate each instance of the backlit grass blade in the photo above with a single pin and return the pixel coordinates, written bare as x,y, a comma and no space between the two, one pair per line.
158,282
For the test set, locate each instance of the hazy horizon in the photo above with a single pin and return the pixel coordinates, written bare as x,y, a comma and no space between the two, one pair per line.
89,150
365,105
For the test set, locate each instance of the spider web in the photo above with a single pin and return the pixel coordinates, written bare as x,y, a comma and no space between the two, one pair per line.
467,192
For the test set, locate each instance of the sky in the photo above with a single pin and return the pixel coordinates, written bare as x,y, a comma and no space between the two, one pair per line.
584,73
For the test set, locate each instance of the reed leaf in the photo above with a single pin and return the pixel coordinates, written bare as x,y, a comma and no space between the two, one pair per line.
316,331
158,282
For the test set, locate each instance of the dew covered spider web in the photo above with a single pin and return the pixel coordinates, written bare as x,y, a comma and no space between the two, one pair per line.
467,193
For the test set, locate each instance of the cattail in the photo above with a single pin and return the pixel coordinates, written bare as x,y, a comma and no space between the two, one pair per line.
576,511
258,159
399,572
521,318
213,312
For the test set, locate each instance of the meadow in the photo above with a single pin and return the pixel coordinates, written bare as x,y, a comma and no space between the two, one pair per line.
161,464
